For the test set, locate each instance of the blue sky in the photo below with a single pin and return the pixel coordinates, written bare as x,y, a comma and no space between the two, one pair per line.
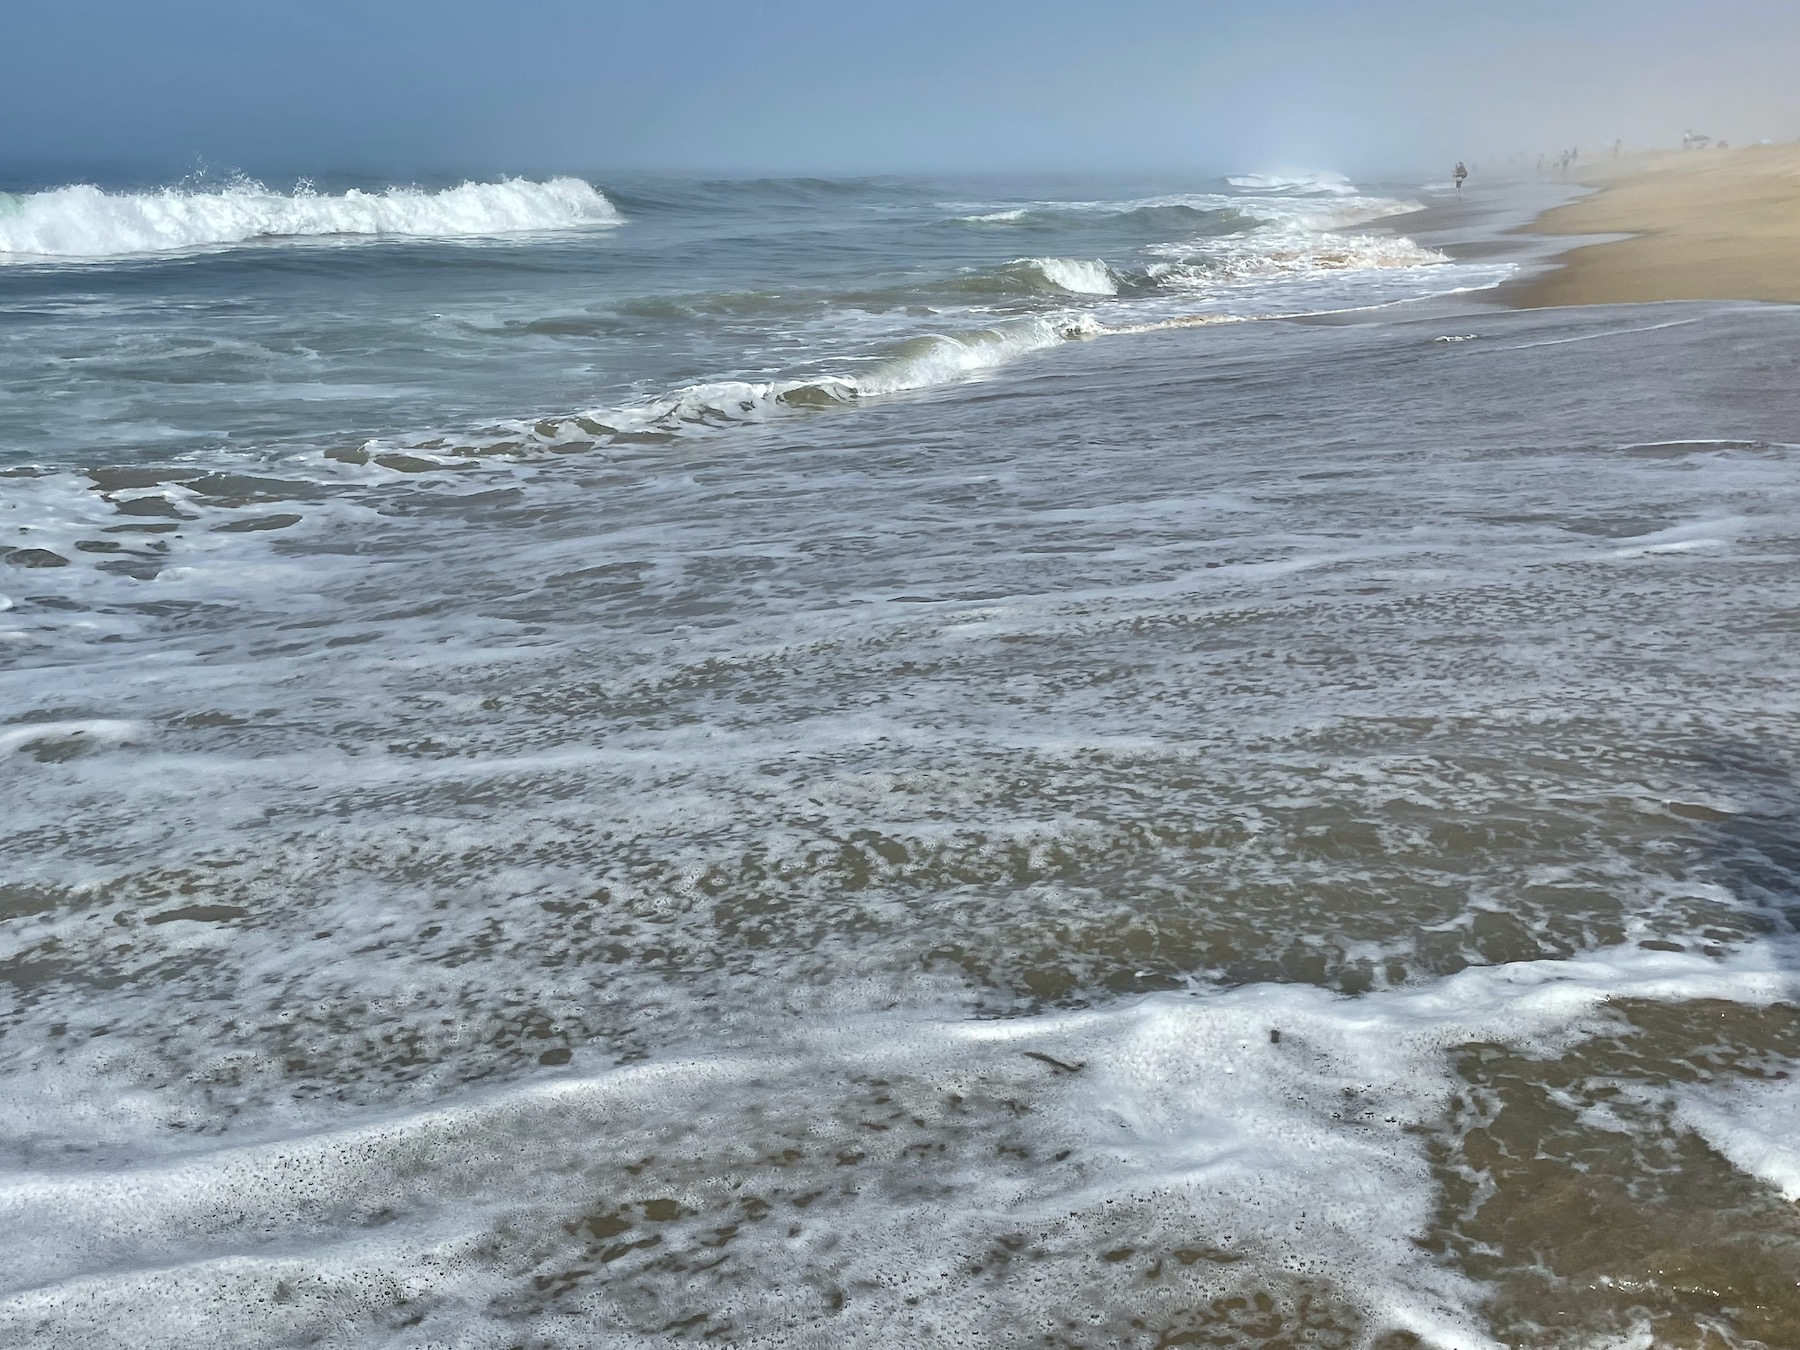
536,85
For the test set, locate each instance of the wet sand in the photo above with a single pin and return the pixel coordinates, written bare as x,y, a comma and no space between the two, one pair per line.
1703,225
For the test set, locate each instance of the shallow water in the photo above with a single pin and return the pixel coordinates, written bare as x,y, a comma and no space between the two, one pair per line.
1265,833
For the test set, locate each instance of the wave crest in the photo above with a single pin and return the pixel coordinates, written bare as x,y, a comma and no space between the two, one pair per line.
1077,276
924,362
80,221
1333,184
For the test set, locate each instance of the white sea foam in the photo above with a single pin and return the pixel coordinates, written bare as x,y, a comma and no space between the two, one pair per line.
924,362
1187,1126
1338,213
68,737
1755,1124
1286,253
1276,1126
946,358
996,217
80,221
1078,276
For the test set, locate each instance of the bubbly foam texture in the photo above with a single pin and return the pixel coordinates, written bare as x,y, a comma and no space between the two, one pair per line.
84,222
1270,1128
1292,254
722,890
1754,1123
97,733
1065,860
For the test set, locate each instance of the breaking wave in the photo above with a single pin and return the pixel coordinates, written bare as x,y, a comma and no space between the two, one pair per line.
1077,276
1327,182
1017,216
1288,254
80,221
923,362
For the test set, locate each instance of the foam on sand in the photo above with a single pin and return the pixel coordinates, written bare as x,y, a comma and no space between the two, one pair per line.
929,361
1271,1128
714,890
1753,1124
80,221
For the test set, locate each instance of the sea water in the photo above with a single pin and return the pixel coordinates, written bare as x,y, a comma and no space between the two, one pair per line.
1074,762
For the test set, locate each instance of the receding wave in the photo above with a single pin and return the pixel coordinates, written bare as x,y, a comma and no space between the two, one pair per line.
80,221
928,361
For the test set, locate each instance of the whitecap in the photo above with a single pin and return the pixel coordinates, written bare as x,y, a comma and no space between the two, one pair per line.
1078,276
81,221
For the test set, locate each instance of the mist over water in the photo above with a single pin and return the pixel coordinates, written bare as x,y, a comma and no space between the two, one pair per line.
1401,88
815,761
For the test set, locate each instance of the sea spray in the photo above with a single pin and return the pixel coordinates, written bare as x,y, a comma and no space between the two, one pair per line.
82,221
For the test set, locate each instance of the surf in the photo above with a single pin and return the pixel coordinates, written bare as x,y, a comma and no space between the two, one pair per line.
80,221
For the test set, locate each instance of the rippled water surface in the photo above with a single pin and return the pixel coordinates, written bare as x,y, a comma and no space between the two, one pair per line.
1277,832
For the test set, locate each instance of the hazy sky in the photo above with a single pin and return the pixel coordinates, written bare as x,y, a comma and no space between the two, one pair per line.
533,85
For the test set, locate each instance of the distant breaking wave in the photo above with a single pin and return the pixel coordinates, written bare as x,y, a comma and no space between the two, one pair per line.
83,222
1324,181
1016,216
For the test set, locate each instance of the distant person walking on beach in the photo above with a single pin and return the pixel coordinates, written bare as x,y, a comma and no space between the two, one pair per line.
1462,172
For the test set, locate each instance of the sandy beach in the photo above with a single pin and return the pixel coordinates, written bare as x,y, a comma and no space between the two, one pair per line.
1704,225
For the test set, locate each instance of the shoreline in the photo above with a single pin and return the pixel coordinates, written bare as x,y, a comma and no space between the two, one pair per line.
1695,225
1492,221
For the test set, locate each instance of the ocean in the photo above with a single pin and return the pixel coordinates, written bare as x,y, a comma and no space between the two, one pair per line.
1078,761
